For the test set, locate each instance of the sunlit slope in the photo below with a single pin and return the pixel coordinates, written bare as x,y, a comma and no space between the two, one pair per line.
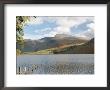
82,48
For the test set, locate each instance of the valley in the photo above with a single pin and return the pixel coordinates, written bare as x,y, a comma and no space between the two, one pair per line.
60,44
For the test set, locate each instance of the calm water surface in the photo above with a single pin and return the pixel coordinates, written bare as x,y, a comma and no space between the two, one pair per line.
56,64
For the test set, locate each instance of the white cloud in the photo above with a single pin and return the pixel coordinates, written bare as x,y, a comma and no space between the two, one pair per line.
87,34
91,25
37,36
30,36
40,20
64,25
62,30
37,20
43,31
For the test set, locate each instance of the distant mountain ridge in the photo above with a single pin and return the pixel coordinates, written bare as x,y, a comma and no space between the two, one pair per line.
50,42
62,36
86,48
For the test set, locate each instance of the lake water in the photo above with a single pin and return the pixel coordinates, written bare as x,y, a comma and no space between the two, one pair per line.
56,64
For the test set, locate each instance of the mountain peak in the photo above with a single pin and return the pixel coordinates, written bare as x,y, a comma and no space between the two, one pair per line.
62,35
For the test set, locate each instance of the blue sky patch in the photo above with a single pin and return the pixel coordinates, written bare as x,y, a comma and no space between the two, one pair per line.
50,26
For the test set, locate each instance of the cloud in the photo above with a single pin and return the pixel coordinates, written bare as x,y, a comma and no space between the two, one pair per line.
62,30
63,26
66,23
29,36
89,33
86,35
43,31
37,20
40,20
39,36
91,25
33,37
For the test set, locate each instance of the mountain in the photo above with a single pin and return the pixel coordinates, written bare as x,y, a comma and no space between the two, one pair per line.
51,42
59,36
86,48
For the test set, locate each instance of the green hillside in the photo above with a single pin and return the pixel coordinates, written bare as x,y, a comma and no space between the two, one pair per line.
86,48
82,48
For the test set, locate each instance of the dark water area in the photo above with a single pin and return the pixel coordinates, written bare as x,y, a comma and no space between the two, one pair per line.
55,64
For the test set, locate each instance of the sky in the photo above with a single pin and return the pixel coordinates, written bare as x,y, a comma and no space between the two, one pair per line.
46,26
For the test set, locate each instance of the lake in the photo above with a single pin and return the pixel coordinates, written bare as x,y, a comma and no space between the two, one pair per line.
55,64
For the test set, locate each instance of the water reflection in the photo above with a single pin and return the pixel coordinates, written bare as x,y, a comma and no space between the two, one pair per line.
56,64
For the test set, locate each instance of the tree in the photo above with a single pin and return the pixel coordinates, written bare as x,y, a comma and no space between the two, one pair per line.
20,22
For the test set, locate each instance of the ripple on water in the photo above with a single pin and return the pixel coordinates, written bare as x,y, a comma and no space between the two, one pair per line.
56,64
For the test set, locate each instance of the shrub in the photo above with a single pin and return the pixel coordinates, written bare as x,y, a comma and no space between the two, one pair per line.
18,52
